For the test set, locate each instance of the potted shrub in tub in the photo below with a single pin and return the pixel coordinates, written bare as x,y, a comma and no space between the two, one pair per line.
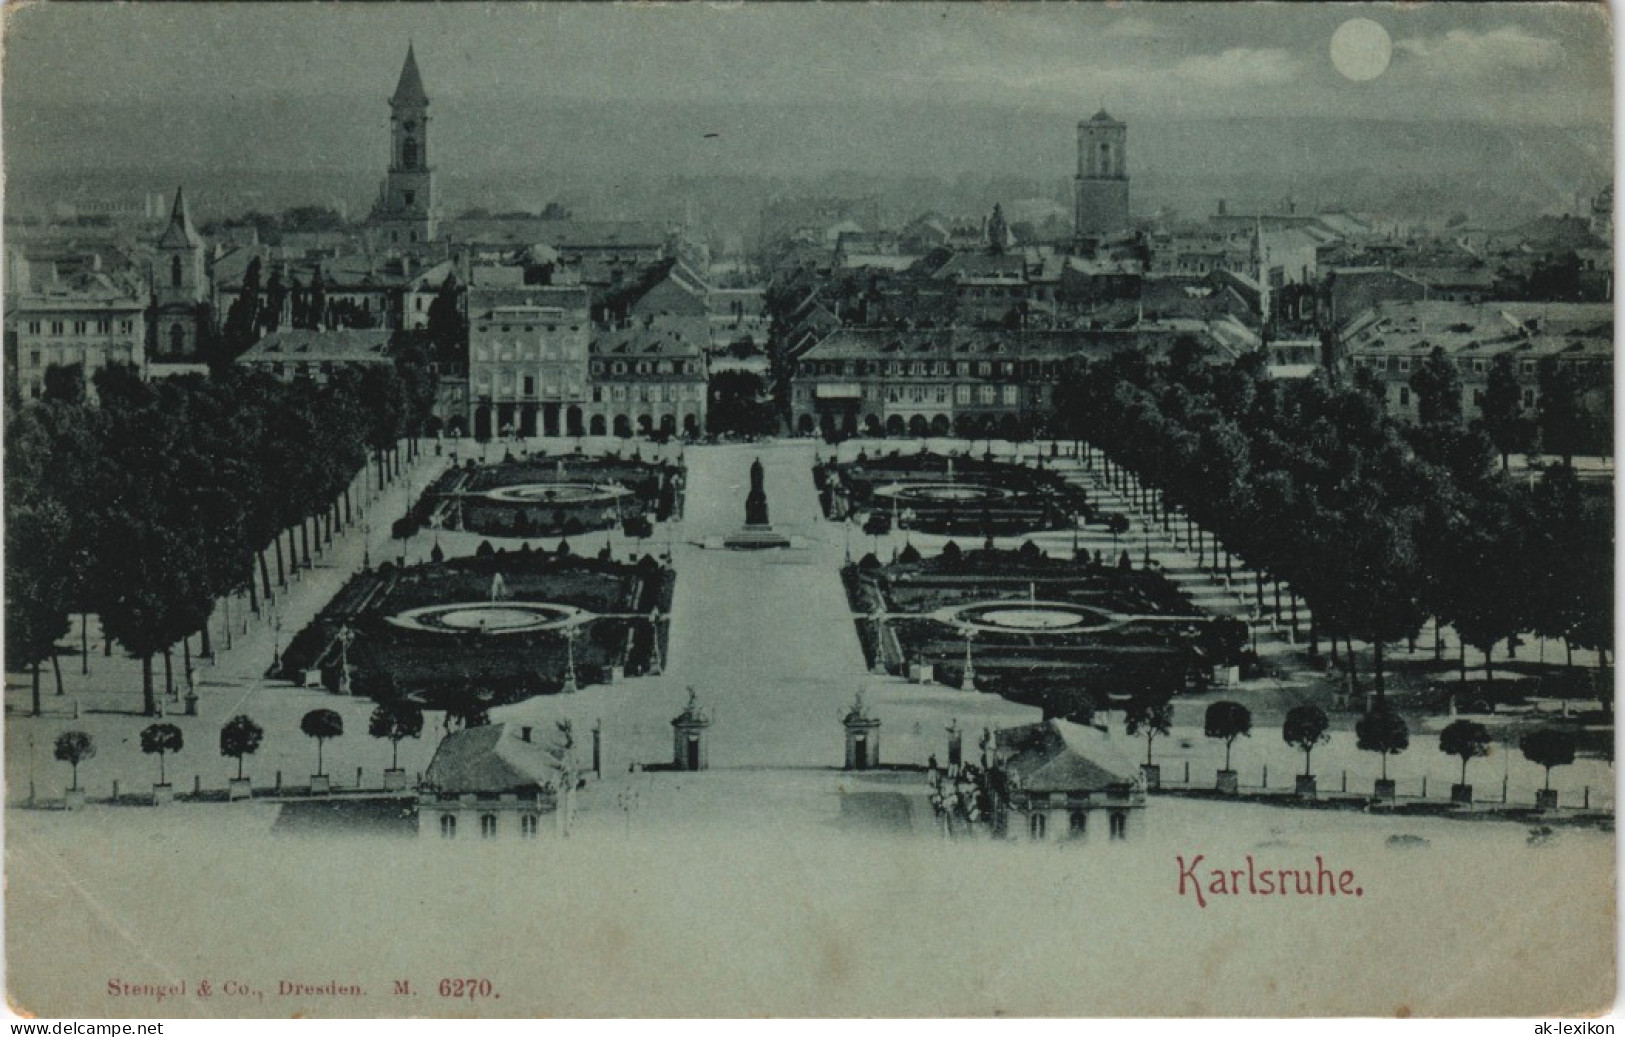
1384,732
1227,721
1304,729
1548,747
1469,740
1150,714
160,740
240,737
321,724
74,748
396,719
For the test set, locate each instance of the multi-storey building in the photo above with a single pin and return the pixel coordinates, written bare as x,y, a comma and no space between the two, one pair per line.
649,376
527,360
953,380
91,321
1392,340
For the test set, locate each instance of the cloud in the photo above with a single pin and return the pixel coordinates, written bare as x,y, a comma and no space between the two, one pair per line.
1239,66
1133,27
1466,53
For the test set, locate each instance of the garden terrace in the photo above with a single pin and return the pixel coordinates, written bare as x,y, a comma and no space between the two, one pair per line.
1063,634
951,495
439,633
543,496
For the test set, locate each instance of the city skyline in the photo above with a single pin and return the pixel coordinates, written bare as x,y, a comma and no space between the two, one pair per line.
941,90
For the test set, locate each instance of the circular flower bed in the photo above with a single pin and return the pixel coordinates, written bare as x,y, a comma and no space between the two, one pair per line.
489,617
1029,617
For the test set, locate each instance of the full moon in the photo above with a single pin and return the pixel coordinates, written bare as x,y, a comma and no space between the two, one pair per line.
1361,49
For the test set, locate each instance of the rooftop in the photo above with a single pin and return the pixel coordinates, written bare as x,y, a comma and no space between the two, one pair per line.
493,758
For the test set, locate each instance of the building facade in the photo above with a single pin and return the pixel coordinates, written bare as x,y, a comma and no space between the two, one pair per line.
527,360
649,376
93,323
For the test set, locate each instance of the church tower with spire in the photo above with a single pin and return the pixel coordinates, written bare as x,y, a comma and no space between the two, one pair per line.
180,287
405,213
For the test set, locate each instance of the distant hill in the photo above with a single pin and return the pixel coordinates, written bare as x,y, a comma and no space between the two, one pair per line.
261,147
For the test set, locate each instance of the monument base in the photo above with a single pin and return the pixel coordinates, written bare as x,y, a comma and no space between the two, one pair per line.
756,538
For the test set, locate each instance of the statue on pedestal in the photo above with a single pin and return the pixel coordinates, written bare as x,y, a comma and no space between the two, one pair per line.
756,499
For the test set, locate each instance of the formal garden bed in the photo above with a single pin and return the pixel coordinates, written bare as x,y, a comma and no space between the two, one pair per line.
493,626
952,495
1070,635
546,496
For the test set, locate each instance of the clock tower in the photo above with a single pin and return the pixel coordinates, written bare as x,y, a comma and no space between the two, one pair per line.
405,213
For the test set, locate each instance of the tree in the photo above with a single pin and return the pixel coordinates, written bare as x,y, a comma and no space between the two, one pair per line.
1148,713
998,231
321,724
1304,729
160,740
1548,747
1438,389
74,748
1382,731
1116,524
396,719
1503,418
240,737
1558,412
1466,739
1227,721
877,525
470,710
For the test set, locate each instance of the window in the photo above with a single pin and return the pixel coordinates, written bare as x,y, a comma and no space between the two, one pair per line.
177,338
175,271
124,327
1527,367
448,826
942,394
488,826
962,394
1528,398
56,327
103,327
409,159
1404,396
989,394
1012,395
1404,364
984,368
527,826
1035,825
34,357
530,385
1119,825
33,327
79,327
1478,367
1077,823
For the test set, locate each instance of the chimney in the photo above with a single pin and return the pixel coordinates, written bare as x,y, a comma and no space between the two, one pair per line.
524,734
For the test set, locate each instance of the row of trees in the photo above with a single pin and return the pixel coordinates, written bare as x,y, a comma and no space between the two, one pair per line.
241,737
150,504
1378,527
1381,731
